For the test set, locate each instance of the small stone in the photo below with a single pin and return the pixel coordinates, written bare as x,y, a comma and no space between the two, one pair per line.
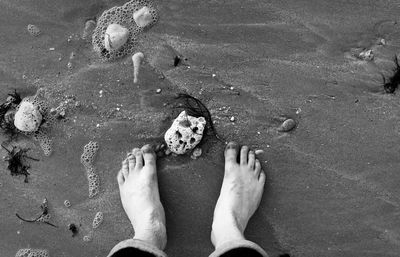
33,30
287,125
87,238
196,153
28,117
158,90
214,75
67,204
52,49
137,59
257,152
115,37
143,17
231,88
232,119
366,55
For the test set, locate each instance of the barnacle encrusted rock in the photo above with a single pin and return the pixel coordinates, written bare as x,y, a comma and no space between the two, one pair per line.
28,117
185,133
115,37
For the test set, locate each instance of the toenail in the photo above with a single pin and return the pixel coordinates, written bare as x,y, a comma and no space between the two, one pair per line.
251,152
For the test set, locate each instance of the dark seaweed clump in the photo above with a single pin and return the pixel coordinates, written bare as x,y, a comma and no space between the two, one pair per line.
43,217
194,107
6,113
392,83
17,161
73,228
177,60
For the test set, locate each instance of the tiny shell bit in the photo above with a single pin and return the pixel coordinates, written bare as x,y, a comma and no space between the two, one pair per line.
137,60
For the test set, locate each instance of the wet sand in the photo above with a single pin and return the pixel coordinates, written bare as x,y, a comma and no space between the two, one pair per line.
332,186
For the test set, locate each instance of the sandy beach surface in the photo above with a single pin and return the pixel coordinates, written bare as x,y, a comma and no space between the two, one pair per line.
333,182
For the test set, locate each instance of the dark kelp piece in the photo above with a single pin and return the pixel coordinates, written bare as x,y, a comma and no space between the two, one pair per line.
392,83
194,107
17,161
44,217
7,111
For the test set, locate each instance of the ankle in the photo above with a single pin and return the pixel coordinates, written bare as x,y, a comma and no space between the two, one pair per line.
154,234
225,229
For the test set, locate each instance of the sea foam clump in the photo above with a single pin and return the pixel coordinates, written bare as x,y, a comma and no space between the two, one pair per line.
185,133
124,16
28,252
98,219
87,158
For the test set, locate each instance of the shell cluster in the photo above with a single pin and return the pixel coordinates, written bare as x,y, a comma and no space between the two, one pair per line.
124,17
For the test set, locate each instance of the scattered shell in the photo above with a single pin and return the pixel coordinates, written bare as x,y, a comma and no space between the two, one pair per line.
382,42
115,37
287,125
67,204
158,90
33,30
232,119
143,17
137,60
196,153
366,55
185,133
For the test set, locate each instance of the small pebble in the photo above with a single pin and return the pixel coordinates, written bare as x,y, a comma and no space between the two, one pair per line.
52,49
67,203
259,152
287,125
158,91
87,238
214,75
232,119
231,88
196,153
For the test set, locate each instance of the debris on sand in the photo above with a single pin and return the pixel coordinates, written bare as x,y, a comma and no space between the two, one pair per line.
90,25
67,203
177,60
73,228
17,161
87,158
43,217
7,113
158,91
33,30
28,252
185,133
366,55
98,219
196,153
137,60
287,125
392,83
123,15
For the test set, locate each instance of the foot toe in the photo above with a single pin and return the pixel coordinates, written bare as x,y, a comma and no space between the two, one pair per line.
125,169
252,159
149,155
244,155
231,152
120,178
262,178
257,168
132,161
138,156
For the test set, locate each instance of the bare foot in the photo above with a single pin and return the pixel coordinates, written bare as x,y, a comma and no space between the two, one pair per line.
138,187
240,195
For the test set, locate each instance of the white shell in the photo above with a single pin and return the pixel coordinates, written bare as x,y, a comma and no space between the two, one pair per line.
115,36
28,117
143,17
185,133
